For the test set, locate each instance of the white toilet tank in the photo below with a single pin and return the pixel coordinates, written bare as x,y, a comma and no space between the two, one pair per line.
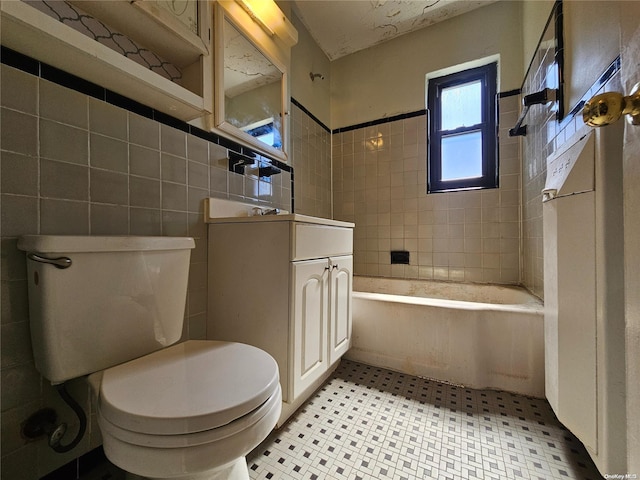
119,299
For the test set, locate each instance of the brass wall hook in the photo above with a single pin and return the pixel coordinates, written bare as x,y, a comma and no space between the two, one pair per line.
607,108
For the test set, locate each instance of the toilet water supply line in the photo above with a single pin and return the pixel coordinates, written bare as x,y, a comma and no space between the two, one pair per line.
56,435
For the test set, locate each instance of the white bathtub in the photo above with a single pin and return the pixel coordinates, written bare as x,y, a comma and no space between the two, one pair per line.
481,336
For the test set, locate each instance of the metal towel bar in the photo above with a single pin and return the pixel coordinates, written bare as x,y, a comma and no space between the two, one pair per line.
543,96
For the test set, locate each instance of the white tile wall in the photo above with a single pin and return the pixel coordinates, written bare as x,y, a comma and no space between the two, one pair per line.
544,135
311,160
379,182
72,164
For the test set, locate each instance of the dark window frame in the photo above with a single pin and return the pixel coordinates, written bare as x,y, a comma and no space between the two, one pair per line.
487,74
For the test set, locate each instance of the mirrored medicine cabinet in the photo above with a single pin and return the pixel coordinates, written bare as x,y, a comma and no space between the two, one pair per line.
238,87
250,83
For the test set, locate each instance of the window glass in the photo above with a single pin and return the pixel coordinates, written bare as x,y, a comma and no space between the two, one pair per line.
462,156
462,105
265,131
463,140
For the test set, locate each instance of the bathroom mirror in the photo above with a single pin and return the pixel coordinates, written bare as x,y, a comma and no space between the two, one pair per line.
546,69
250,90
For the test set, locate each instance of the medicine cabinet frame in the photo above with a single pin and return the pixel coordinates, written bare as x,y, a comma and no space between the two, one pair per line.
548,59
230,11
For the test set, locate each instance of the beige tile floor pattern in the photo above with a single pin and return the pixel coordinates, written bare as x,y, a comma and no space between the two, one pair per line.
372,423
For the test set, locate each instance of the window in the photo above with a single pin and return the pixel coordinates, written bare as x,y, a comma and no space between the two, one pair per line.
265,131
462,130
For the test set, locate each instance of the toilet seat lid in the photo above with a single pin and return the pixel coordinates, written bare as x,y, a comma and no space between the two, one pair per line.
190,387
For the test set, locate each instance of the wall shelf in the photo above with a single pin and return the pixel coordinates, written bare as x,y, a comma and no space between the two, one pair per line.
33,33
163,33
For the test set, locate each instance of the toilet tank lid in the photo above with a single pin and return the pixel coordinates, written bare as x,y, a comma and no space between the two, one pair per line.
85,243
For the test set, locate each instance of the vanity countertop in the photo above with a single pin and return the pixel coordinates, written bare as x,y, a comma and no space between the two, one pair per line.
217,210
287,217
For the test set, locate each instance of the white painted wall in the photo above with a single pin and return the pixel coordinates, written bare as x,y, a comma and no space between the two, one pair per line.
389,79
307,57
535,14
630,12
592,42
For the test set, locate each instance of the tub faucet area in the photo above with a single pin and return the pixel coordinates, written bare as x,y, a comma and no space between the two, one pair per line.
257,211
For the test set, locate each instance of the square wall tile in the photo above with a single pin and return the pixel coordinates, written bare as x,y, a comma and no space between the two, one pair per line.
13,265
145,221
174,169
19,132
64,180
109,220
175,224
144,131
144,161
21,384
19,215
174,196
107,119
63,142
15,303
197,149
19,90
109,187
173,141
144,192
63,105
64,217
109,153
19,174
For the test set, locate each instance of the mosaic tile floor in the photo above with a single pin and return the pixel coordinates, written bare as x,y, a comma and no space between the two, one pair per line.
371,423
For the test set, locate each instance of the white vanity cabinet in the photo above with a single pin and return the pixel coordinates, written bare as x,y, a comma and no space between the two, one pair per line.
284,284
321,317
340,289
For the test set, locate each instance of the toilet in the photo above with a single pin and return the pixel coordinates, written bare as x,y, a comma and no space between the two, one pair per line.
112,309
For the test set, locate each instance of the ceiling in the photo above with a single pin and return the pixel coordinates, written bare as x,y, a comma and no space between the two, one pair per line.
245,67
342,27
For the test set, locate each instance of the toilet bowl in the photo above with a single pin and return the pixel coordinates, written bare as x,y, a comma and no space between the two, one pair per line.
193,410
112,309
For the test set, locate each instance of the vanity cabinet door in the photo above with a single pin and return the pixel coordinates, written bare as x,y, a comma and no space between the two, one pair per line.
340,290
310,314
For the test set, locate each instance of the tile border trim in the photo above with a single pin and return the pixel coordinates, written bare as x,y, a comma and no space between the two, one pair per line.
510,93
380,121
607,75
403,116
47,72
313,117
42,70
